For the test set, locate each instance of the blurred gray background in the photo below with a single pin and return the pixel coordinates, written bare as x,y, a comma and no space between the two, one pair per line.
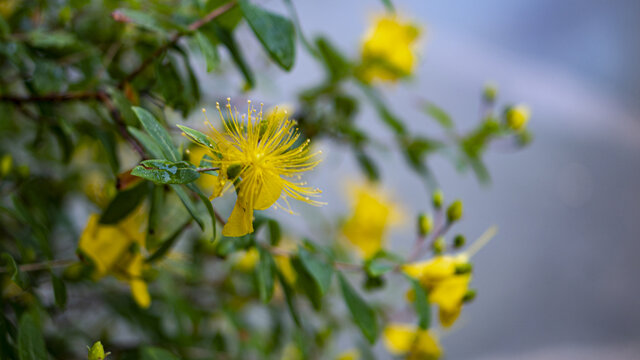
560,281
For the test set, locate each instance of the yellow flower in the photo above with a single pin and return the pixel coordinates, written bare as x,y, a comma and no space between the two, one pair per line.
389,49
446,288
246,260
415,343
263,158
352,354
372,214
115,249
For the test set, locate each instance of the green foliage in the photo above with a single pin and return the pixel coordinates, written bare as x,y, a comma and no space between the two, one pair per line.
89,96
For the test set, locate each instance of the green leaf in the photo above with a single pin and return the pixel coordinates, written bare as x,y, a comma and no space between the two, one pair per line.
142,19
363,315
336,64
154,353
158,133
167,244
265,275
198,137
226,37
439,115
421,304
150,146
319,270
59,291
388,5
166,172
188,204
289,296
367,165
124,203
123,105
30,340
276,33
13,270
306,283
209,206
52,39
208,50
378,267
274,232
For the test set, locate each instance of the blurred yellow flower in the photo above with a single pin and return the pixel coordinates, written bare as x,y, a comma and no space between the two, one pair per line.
351,354
405,339
116,250
263,158
246,260
389,49
373,212
517,117
446,287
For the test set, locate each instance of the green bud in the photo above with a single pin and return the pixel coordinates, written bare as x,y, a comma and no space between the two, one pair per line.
517,117
233,171
490,92
524,138
373,282
459,241
437,198
464,268
425,224
469,295
5,164
454,212
439,245
96,352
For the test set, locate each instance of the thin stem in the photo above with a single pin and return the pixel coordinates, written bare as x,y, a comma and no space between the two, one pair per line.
41,266
173,40
106,100
207,169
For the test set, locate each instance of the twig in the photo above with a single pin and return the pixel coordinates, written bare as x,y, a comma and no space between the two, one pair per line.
106,100
174,39
207,169
41,266
55,97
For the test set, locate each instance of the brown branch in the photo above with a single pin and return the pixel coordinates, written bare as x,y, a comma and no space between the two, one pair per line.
207,169
106,100
41,266
174,39
54,97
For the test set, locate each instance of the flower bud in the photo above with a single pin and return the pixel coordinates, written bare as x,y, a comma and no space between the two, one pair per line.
490,92
469,296
5,164
454,212
437,198
96,352
464,268
459,241
425,224
517,117
439,245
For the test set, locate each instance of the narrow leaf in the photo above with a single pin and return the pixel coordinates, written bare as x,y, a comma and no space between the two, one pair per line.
154,353
207,203
319,270
59,291
197,137
30,340
188,204
290,298
265,275
275,32
124,203
157,132
208,50
439,115
150,146
421,303
363,315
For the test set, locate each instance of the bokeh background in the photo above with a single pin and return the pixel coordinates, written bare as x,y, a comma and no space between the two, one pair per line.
560,281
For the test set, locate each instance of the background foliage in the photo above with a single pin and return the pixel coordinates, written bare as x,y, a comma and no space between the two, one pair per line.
85,91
